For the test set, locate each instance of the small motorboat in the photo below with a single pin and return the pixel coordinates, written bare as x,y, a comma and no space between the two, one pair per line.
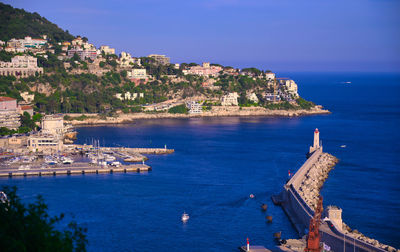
251,196
343,146
185,217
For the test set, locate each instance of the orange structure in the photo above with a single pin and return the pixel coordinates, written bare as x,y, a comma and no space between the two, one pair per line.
313,237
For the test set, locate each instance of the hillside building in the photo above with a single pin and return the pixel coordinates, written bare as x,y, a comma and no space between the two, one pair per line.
160,59
126,60
194,107
230,99
20,66
204,70
137,73
289,85
82,53
9,116
252,97
107,50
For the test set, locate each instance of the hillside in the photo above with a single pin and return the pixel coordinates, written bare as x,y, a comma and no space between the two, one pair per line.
17,23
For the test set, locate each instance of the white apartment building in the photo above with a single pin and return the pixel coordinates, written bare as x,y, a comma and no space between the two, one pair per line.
126,60
270,76
194,107
252,97
290,86
137,73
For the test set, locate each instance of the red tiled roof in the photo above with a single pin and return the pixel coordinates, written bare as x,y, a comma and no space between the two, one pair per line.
25,107
4,98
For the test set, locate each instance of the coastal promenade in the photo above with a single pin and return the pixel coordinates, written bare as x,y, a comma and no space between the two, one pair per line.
299,200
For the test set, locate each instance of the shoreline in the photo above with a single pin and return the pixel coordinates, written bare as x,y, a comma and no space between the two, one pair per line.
216,112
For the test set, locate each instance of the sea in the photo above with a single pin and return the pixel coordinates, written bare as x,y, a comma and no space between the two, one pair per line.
219,162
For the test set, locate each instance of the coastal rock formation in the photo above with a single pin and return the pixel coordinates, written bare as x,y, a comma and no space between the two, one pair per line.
217,111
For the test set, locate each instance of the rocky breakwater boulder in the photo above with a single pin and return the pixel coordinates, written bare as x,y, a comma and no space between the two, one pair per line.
359,236
314,179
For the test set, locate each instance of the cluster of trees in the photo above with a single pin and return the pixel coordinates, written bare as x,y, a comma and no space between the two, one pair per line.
179,109
30,228
17,23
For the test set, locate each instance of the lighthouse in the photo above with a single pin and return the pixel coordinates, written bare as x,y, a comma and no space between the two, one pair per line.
316,144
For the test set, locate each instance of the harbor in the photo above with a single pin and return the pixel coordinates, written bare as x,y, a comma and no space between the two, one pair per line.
79,159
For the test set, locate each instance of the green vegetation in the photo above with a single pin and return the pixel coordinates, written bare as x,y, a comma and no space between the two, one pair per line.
17,23
180,109
281,106
30,228
304,104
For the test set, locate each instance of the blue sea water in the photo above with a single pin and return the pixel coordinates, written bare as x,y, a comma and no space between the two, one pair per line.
219,162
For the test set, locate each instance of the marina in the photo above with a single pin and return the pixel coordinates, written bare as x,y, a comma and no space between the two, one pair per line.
79,159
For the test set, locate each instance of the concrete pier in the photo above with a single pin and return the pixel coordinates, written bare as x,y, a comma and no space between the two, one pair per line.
299,198
76,168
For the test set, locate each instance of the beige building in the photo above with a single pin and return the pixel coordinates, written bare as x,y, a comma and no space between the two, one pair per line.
160,59
137,73
107,50
230,99
126,60
53,124
290,86
20,66
45,143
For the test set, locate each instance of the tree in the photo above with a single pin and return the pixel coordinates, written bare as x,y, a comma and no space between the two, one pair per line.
30,228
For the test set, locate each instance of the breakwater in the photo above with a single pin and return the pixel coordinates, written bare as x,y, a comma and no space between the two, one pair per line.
299,200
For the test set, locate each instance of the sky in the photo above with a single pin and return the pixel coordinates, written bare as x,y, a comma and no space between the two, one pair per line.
278,35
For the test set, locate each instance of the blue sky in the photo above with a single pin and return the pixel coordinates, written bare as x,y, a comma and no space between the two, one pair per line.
281,35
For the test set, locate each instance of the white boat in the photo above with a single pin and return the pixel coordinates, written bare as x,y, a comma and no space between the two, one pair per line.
24,167
116,164
50,160
185,217
343,146
109,158
67,160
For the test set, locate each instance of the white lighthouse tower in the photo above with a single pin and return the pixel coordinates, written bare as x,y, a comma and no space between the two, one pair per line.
316,144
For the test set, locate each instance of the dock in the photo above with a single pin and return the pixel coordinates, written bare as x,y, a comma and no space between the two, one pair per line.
75,169
254,249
